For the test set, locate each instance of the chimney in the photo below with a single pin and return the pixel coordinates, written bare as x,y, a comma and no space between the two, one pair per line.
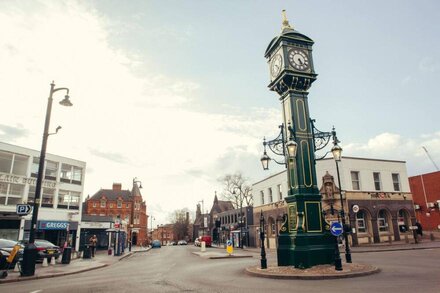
117,186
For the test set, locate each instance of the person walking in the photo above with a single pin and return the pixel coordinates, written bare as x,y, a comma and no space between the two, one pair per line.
93,241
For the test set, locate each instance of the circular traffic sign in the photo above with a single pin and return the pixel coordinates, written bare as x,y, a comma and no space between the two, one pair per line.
229,243
336,229
355,208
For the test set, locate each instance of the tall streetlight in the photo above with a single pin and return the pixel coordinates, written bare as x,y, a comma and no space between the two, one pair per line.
30,250
337,153
263,260
151,225
240,239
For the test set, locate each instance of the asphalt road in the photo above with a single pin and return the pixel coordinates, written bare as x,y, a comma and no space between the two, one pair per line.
176,269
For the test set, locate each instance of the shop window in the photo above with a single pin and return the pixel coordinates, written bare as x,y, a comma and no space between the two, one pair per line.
377,183
355,180
396,181
3,188
270,195
5,162
361,222
47,198
51,170
20,165
382,221
280,192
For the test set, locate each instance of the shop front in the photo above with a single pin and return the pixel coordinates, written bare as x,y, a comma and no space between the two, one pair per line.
57,232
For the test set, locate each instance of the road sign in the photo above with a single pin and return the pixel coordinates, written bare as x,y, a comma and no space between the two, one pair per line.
355,208
23,209
229,248
336,229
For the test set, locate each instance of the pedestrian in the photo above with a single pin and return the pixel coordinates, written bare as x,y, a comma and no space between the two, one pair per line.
93,241
419,229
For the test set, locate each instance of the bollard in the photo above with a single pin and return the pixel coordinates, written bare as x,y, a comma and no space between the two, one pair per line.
52,261
16,268
203,246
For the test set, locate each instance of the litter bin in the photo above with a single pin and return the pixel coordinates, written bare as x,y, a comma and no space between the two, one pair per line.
87,253
67,253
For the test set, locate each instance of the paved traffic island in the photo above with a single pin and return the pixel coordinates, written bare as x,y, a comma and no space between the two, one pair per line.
319,272
220,255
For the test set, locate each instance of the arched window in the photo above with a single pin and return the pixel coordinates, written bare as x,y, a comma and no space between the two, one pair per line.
361,222
382,221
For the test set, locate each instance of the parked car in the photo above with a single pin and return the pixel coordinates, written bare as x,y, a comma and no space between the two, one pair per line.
155,244
46,249
172,243
6,247
182,242
207,239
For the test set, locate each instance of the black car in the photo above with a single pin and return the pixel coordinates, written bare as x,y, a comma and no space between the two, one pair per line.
6,247
46,249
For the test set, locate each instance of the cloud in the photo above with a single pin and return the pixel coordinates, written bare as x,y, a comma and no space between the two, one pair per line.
428,64
11,133
112,156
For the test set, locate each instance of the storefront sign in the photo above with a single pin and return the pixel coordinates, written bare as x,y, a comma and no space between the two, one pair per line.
53,225
10,178
95,225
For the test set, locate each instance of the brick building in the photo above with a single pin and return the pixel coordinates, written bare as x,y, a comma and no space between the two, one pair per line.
164,233
125,205
425,189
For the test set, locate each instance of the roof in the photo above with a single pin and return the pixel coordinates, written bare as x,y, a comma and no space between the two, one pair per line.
222,205
111,194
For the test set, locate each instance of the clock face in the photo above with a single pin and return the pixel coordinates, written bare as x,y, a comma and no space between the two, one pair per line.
275,66
299,59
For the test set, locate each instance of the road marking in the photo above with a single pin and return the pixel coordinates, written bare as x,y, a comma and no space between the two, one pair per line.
36,291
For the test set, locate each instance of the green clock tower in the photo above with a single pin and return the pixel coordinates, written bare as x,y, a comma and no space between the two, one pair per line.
304,239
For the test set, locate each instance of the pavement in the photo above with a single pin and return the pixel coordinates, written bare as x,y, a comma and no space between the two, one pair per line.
78,265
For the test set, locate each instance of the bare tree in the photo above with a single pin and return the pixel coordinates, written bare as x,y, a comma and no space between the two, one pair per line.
180,221
236,189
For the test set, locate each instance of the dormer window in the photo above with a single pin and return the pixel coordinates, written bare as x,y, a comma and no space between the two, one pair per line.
103,202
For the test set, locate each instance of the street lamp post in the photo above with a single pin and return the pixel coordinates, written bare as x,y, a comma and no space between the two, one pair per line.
151,225
337,152
263,251
30,250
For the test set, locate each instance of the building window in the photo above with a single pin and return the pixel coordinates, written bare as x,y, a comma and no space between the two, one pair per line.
119,204
262,197
31,194
34,167
71,174
111,205
69,200
20,165
94,204
270,195
280,192
103,202
5,162
51,170
47,199
361,223
396,181
127,205
382,221
377,184
355,180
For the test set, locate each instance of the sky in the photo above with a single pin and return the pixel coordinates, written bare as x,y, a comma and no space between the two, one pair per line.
174,93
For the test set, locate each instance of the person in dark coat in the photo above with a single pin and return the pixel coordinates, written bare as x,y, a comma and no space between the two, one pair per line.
419,229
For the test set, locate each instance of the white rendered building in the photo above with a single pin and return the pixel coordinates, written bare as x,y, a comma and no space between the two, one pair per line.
59,215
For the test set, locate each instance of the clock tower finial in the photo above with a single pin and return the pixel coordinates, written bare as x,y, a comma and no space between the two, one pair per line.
286,24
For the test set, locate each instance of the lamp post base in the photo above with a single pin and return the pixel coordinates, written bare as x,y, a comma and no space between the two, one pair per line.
29,258
305,250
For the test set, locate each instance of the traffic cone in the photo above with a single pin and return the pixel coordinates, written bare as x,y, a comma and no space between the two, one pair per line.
44,262
16,268
60,258
52,261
